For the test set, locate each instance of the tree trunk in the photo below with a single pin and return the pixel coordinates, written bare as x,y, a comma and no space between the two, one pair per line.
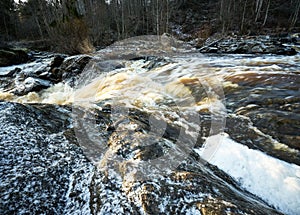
157,17
258,7
296,13
243,17
267,11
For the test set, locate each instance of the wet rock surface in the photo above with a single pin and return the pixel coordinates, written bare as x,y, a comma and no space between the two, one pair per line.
270,103
141,46
10,56
44,166
43,170
248,132
287,45
44,71
48,69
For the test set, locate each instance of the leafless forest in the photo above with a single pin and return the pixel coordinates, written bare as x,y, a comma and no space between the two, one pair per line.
76,26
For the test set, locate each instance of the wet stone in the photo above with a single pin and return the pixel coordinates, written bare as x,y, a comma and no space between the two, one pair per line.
43,170
31,85
11,56
252,45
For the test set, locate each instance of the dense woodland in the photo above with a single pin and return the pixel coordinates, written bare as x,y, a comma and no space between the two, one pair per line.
76,26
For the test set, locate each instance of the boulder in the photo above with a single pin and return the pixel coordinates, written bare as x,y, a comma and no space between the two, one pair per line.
49,69
71,68
154,61
13,57
30,84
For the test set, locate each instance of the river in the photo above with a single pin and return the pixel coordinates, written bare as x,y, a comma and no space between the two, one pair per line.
240,113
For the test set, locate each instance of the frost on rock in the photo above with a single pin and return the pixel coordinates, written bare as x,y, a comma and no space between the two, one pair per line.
44,171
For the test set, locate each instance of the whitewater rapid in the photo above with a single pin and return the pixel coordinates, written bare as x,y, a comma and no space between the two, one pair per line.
275,181
181,81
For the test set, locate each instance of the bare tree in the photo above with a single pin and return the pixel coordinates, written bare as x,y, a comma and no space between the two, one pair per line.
258,7
243,16
295,14
266,14
6,16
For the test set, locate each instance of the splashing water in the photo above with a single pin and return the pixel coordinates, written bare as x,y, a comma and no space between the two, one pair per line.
254,87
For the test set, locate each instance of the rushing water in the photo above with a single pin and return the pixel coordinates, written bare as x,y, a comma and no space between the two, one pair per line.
257,95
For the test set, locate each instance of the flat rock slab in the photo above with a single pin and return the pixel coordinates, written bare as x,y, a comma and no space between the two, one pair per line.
44,171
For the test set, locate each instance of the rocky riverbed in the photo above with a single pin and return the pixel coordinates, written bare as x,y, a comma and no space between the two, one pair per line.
279,45
152,127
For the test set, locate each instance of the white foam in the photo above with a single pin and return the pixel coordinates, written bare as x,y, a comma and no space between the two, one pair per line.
273,180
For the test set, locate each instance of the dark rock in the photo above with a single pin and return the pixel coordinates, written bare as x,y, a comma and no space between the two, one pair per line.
286,51
283,125
10,73
257,49
154,61
295,38
40,74
212,50
72,67
45,70
54,73
252,45
37,164
7,78
108,66
13,57
94,69
31,77
30,84
241,129
43,171
57,61
272,110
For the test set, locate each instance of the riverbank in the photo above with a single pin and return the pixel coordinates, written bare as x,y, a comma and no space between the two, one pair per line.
287,44
264,44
